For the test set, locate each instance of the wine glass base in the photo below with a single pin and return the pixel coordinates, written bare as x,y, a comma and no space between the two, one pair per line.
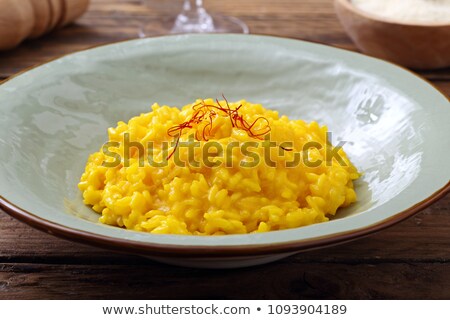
222,24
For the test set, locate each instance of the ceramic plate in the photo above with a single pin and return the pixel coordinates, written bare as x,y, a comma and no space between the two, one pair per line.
395,126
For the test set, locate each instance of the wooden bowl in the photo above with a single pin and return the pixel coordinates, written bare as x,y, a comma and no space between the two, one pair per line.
417,46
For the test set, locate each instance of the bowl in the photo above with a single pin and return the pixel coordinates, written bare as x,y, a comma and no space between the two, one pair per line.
417,46
394,125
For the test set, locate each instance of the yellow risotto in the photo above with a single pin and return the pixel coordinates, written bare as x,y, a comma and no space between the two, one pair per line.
217,168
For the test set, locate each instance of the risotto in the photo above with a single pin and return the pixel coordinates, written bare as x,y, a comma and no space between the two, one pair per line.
217,168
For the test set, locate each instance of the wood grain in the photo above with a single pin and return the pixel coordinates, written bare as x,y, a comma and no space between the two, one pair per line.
281,280
409,260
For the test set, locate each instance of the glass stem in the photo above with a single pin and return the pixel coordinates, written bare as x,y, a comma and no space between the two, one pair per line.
193,5
193,19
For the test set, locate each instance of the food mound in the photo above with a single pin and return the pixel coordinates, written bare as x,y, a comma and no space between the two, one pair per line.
217,168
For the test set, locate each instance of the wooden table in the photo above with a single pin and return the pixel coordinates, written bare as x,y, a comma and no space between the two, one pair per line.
409,260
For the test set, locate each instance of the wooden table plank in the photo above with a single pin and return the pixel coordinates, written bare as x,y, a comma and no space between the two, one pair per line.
282,280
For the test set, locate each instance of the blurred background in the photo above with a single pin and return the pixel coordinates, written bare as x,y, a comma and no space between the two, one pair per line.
67,26
114,20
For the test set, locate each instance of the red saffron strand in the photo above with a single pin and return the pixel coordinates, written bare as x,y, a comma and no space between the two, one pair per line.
175,147
206,112
286,149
